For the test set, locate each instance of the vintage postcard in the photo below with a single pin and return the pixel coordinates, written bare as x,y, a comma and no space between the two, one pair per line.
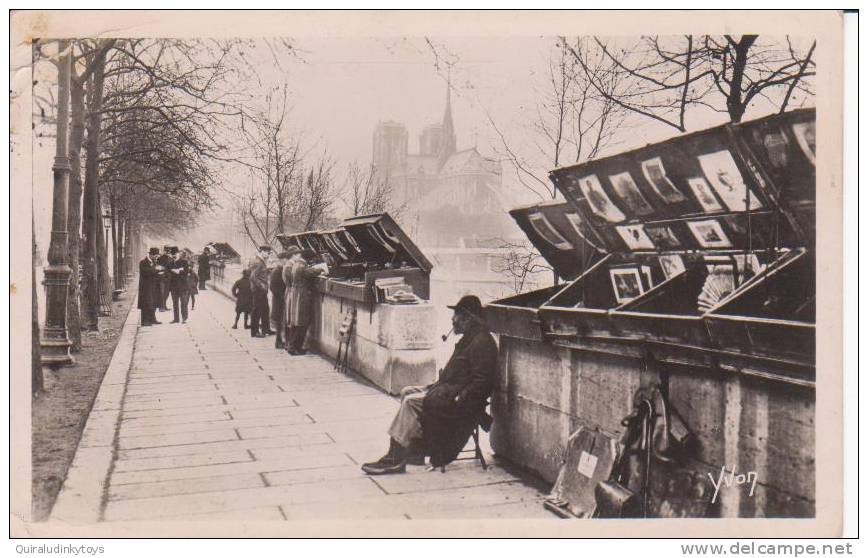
426,273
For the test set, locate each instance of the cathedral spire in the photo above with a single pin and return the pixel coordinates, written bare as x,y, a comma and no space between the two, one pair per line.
448,126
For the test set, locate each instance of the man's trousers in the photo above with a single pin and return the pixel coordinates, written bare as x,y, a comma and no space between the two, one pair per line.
184,298
407,426
259,314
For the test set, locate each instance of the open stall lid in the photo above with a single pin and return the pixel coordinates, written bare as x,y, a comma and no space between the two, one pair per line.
225,249
379,239
561,236
737,187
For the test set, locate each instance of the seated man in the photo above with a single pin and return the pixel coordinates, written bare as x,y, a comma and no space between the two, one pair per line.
438,419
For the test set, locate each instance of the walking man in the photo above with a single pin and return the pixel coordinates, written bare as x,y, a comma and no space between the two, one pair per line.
301,296
149,287
259,286
178,278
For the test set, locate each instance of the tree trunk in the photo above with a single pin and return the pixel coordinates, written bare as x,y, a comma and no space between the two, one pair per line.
92,223
76,138
735,103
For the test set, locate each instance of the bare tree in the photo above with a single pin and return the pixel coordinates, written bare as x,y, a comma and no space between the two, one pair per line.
519,262
368,191
662,78
316,194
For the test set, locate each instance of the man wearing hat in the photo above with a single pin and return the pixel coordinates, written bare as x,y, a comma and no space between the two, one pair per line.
178,275
204,267
165,261
278,291
437,419
287,295
300,299
259,286
149,287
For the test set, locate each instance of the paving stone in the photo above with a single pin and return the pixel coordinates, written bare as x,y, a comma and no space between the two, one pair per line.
185,486
154,508
263,421
163,461
233,445
289,464
180,439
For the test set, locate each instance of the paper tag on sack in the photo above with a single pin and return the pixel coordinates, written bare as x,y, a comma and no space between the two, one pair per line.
587,464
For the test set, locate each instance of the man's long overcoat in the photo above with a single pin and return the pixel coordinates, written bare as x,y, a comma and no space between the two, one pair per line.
453,405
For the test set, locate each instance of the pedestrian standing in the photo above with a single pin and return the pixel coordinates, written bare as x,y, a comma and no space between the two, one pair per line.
243,298
301,296
287,298
259,286
278,291
178,277
204,267
149,287
165,261
192,286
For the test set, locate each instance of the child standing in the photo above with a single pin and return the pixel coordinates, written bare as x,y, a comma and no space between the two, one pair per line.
243,298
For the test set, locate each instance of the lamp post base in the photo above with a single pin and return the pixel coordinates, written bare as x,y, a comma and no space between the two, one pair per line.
54,351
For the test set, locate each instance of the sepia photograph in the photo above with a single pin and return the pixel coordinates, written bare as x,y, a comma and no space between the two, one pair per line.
426,273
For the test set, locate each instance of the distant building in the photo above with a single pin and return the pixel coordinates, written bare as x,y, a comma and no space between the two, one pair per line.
454,209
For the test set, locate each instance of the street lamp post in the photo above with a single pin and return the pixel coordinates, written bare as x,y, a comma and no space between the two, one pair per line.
107,224
55,340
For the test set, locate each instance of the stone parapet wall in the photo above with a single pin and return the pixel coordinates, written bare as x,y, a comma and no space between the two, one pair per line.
744,424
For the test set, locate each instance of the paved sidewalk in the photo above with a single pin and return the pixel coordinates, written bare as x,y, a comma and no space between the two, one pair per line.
216,425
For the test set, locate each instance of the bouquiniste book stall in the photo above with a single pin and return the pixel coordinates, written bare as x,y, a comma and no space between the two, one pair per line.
690,255
362,251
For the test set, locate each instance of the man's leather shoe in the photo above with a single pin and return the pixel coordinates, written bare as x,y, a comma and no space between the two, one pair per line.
173,322
256,335
385,466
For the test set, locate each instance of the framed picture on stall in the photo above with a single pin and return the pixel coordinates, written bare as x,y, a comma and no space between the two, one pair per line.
545,229
655,174
709,234
672,265
626,189
626,283
635,237
706,198
598,200
723,175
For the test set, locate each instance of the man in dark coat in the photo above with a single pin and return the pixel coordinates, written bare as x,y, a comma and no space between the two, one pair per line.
178,276
438,419
165,261
278,292
204,267
259,286
149,287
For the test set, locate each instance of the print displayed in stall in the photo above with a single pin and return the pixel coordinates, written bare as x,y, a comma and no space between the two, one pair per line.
576,221
672,265
662,236
805,133
545,229
709,234
704,195
655,174
635,237
776,145
599,201
627,283
629,193
723,175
